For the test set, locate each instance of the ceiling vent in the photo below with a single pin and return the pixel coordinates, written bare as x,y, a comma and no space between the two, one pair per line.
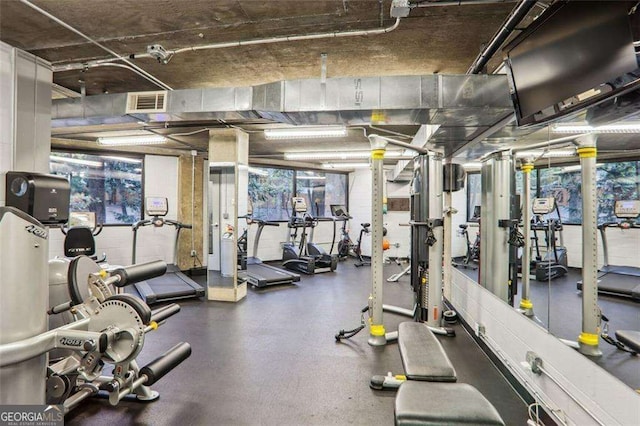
143,102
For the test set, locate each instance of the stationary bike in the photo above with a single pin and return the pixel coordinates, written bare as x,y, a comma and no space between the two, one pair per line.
473,250
346,247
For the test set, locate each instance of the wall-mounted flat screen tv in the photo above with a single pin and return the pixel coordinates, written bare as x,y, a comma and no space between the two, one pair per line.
576,54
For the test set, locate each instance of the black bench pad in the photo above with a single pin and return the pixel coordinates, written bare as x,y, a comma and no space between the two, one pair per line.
422,355
630,338
430,404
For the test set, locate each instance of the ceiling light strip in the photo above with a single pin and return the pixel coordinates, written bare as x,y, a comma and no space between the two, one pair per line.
132,140
310,132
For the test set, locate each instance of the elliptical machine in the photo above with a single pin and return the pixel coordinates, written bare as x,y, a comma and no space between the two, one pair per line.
298,258
554,262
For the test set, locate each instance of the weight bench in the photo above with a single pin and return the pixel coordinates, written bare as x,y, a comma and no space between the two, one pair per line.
423,358
424,403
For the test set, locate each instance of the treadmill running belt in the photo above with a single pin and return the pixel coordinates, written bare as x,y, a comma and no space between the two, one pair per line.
171,286
618,285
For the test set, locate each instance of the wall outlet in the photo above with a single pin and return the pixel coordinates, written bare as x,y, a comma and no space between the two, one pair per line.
480,330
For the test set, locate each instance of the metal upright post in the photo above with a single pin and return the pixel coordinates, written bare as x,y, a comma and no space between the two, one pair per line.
588,339
494,233
525,303
376,329
434,290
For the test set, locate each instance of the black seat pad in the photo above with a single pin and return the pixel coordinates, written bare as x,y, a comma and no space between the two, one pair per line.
422,354
79,241
422,403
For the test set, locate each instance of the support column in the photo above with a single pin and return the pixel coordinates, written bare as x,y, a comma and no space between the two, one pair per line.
525,302
434,288
25,113
494,239
228,174
376,329
446,259
588,339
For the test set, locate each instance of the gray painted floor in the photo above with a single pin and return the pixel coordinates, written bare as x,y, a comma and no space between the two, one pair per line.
271,359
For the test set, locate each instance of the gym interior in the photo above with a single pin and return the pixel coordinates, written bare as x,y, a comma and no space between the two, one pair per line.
334,212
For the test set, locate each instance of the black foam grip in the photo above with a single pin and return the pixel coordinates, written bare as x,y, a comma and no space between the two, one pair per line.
140,272
166,362
165,312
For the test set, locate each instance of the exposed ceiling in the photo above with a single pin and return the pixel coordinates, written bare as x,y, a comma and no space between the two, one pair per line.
440,39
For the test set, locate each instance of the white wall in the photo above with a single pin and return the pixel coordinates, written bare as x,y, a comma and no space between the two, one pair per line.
160,180
623,246
360,206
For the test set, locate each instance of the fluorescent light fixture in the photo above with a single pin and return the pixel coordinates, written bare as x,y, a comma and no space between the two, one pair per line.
546,154
304,177
609,128
337,155
472,166
306,132
345,165
257,171
123,159
75,161
133,140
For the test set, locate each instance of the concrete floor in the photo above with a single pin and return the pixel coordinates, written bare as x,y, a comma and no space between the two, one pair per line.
272,359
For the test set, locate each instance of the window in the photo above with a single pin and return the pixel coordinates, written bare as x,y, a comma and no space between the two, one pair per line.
474,194
109,186
614,181
320,190
270,192
271,189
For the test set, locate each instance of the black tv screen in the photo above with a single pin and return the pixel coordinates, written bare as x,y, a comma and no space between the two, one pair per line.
574,46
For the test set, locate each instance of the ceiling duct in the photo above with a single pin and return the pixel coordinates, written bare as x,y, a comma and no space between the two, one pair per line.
463,105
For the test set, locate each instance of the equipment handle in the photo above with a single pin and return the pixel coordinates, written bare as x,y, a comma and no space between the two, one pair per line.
135,273
166,362
97,230
165,312
270,223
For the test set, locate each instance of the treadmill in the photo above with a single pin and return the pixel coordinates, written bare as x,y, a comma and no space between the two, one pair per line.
619,280
259,274
174,284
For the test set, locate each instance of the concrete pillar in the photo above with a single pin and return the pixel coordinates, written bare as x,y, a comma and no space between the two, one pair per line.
229,161
190,210
25,113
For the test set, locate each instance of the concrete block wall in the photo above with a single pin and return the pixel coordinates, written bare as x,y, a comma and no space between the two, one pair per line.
161,180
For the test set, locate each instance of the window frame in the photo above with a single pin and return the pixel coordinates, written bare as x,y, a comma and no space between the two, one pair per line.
295,181
132,155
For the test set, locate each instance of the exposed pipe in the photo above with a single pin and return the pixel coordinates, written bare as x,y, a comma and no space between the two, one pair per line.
515,17
103,47
429,3
417,149
278,39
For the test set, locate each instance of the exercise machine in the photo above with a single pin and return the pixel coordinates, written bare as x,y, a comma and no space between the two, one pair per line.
103,328
295,254
316,250
174,284
346,246
619,280
79,235
255,272
554,262
472,257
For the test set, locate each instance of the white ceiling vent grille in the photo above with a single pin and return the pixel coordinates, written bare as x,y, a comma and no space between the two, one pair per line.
141,102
